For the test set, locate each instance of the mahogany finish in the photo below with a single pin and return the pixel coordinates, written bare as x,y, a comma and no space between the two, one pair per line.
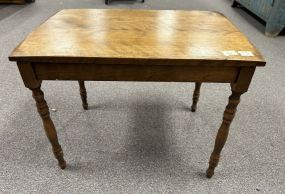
137,45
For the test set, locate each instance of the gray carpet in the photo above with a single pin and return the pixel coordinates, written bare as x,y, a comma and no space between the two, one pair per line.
141,137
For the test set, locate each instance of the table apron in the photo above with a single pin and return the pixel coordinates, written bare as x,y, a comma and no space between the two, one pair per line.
161,73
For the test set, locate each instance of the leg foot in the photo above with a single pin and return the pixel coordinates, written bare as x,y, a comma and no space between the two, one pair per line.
235,4
49,127
83,94
214,160
210,172
59,156
196,95
193,108
223,132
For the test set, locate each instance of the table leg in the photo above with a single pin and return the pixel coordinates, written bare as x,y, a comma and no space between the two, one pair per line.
50,130
83,94
196,95
222,135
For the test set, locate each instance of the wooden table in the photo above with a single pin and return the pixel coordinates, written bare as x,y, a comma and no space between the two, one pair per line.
138,45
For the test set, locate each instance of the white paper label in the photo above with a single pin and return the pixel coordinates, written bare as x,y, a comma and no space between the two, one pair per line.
229,53
246,53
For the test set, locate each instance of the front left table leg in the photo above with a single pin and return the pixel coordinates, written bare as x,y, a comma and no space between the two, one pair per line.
49,127
223,131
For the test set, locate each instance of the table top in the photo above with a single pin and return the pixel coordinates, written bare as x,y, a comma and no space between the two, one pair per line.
138,36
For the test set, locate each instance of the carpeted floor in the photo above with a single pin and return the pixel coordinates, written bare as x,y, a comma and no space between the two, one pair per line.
141,137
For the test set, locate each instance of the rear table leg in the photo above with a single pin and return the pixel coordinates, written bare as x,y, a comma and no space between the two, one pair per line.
196,95
83,94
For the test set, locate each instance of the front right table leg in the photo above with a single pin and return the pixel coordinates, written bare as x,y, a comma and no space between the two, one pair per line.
222,135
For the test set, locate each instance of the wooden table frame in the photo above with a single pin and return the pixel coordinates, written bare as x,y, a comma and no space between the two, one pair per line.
235,70
34,73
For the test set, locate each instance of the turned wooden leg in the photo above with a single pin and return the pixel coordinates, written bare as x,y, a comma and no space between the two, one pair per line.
83,94
222,135
196,95
48,125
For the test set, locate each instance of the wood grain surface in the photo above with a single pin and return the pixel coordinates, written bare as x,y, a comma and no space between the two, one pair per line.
137,37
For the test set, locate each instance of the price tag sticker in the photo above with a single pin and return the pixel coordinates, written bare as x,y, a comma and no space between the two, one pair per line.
229,53
246,53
